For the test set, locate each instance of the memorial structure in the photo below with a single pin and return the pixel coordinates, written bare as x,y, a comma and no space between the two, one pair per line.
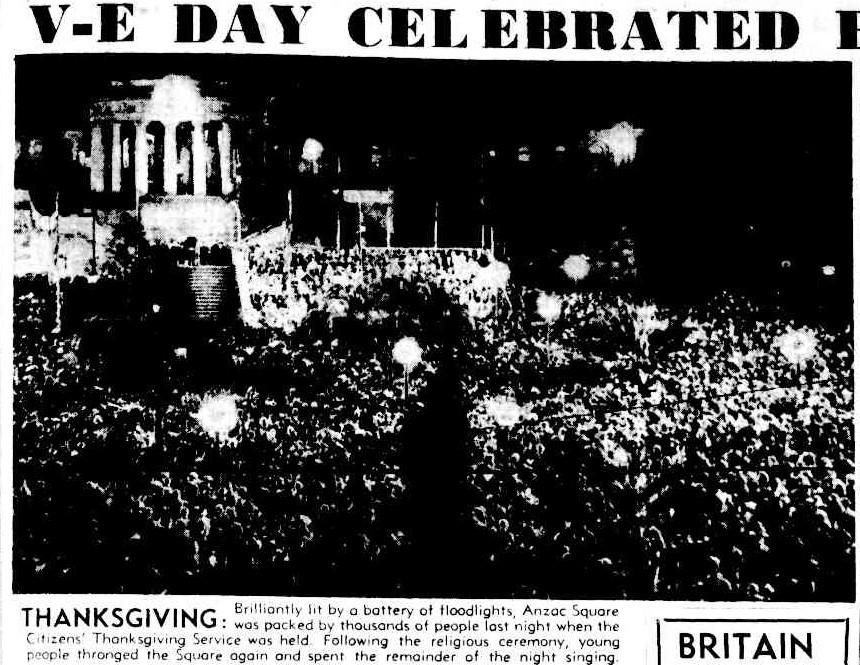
203,158
165,148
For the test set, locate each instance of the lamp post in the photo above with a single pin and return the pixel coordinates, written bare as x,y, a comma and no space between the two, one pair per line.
407,352
549,309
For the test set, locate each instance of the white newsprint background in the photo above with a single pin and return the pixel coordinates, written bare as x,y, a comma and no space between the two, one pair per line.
206,629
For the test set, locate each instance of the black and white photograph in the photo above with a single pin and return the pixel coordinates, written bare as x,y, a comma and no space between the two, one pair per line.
368,327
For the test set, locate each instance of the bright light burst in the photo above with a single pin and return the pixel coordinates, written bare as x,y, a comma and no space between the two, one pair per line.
798,346
218,414
548,307
504,410
576,267
618,141
312,150
407,352
174,99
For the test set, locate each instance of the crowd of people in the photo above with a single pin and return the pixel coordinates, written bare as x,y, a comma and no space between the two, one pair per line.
610,446
718,457
294,485
287,284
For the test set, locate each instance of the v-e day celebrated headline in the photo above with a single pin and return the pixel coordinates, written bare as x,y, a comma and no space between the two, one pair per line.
416,28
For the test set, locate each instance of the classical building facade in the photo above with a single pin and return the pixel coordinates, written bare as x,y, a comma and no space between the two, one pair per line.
164,148
162,137
214,159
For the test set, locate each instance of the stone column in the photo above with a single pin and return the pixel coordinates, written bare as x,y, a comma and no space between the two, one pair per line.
225,154
170,158
389,224
198,159
141,159
97,159
116,158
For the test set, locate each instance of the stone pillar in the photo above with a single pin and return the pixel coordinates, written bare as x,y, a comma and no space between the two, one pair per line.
170,158
389,224
226,156
198,159
116,158
141,159
97,159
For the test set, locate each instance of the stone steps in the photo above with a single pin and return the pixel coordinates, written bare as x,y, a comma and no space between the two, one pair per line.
213,292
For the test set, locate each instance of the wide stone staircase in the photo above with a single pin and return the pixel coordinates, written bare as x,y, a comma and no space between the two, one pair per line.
214,293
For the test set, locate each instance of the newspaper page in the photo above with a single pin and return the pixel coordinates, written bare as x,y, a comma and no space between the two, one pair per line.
391,332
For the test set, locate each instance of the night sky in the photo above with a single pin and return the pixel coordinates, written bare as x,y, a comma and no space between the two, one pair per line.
740,165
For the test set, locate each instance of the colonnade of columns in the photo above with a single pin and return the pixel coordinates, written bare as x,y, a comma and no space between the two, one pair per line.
100,153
